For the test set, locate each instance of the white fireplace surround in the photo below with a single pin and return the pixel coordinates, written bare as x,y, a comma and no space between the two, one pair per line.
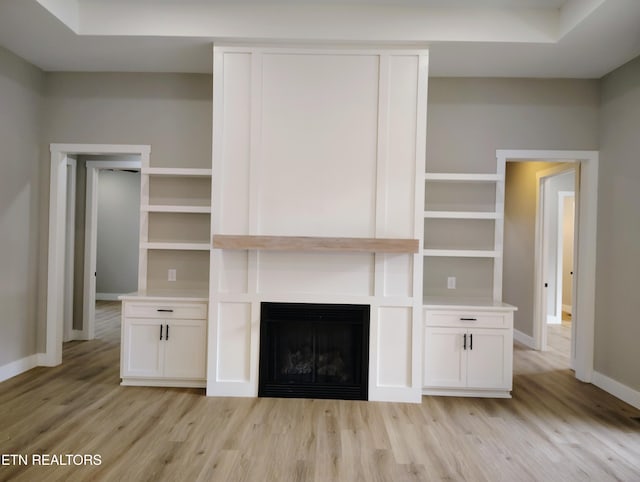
318,143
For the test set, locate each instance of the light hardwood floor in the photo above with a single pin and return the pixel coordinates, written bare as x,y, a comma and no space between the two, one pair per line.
559,337
554,429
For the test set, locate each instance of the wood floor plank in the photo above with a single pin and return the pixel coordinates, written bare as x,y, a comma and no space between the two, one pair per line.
554,428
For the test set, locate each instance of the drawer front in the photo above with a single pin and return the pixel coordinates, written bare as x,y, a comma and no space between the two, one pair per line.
192,311
483,319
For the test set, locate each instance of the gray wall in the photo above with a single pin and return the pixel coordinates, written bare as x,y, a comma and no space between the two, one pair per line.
118,232
21,87
171,112
468,119
618,260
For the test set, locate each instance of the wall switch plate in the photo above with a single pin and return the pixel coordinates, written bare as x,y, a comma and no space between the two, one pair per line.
451,282
171,274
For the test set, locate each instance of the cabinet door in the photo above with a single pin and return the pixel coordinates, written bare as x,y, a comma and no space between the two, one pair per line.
185,349
489,358
142,348
444,362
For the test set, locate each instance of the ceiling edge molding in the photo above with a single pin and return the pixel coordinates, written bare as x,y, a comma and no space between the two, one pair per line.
574,12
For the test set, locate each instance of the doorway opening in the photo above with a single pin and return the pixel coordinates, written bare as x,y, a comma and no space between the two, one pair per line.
63,252
560,336
530,328
111,234
556,244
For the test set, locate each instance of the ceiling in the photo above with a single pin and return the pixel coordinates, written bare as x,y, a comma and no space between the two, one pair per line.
483,38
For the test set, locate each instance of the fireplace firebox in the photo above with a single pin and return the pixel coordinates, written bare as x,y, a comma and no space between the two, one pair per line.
310,350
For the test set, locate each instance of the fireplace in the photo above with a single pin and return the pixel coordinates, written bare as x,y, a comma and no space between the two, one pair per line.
312,350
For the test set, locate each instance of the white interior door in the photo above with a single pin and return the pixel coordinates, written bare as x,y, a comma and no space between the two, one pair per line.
551,251
90,242
69,250
564,267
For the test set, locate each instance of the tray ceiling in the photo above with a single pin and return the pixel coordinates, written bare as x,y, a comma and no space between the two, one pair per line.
503,38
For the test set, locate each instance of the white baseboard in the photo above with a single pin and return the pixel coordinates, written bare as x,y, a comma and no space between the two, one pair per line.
524,339
567,308
108,296
617,389
17,367
79,335
553,320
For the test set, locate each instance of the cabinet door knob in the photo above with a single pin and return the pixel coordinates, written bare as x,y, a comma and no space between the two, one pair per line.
161,332
464,341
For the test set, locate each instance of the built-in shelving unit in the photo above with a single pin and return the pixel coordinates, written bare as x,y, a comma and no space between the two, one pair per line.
468,208
164,324
176,171
468,331
460,253
462,177
176,209
460,215
175,220
178,246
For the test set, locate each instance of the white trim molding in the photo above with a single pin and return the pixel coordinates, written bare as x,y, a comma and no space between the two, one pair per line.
617,389
18,367
525,339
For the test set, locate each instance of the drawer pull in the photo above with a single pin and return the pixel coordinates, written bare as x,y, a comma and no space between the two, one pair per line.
468,319
164,310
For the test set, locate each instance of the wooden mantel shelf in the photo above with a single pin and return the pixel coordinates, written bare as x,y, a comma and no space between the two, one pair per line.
314,243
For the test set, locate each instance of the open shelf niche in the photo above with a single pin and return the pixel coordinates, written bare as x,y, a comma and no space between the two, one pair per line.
175,228
464,221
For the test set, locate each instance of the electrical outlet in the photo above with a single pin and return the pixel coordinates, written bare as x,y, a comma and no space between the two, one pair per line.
451,282
171,274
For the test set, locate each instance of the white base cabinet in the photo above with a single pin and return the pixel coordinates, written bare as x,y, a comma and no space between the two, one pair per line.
161,346
468,350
